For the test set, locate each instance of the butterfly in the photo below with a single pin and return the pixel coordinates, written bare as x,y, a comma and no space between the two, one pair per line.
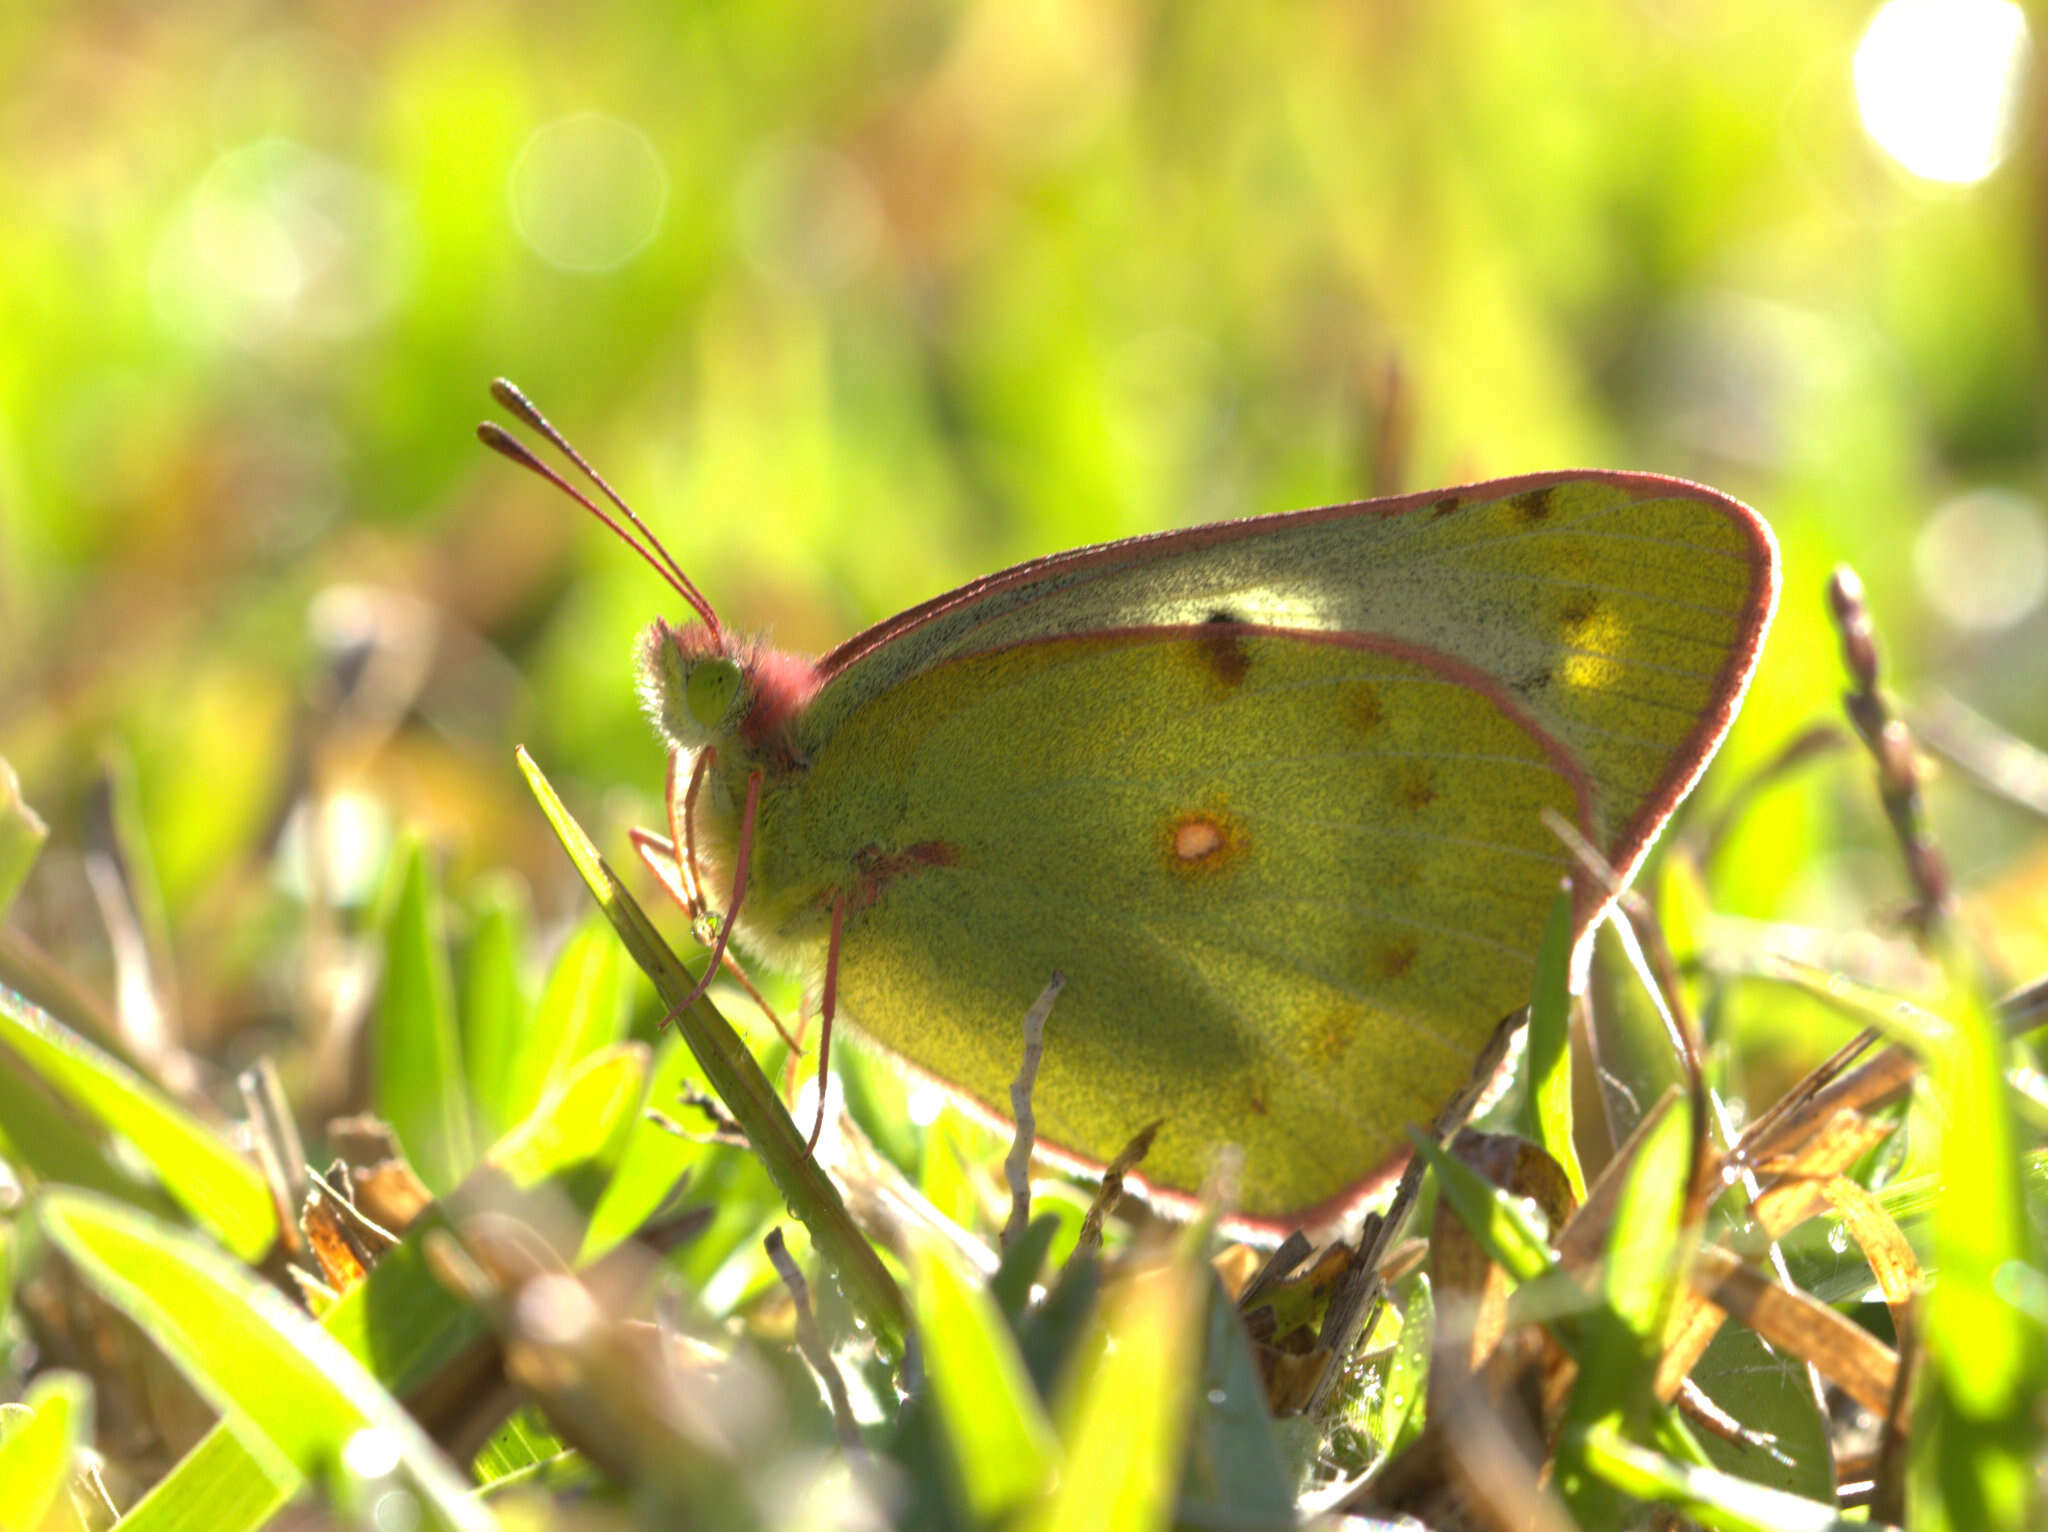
1270,793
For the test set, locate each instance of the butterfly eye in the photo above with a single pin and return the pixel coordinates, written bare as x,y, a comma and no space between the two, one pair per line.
710,689
693,701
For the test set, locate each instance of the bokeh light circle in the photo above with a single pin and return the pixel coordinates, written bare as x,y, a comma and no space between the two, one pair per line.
588,192
1982,560
278,241
1938,84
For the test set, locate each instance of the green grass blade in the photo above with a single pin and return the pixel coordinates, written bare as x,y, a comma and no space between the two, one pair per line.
1638,1063
1979,1432
520,1445
1501,1223
1708,1496
1770,1393
740,1084
494,1009
578,1133
37,1448
1057,1332
1001,1438
416,1080
1123,1429
1643,1269
221,1190
22,834
402,1322
246,1349
1547,1103
56,1142
654,1160
221,1485
1399,1411
582,1007
1620,1339
1022,1262
1236,1474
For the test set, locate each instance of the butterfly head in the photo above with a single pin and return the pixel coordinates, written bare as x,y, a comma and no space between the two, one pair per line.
694,691
704,687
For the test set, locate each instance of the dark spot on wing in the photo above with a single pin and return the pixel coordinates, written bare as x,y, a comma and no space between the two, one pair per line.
1579,609
875,868
1221,647
1531,506
1417,791
1393,959
1445,506
1335,1033
1362,707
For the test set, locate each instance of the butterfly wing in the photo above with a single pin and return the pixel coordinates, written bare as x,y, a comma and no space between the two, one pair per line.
1270,793
1624,612
1294,882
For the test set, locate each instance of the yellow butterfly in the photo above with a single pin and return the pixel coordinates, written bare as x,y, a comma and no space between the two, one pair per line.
1268,792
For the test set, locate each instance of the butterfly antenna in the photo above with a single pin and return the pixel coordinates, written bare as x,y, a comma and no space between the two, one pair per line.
647,545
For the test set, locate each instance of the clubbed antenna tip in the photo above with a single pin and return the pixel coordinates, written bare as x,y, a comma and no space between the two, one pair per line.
646,544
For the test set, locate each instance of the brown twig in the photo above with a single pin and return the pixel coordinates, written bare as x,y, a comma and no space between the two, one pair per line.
1354,1309
1089,1241
280,1154
810,1341
1890,744
1279,1265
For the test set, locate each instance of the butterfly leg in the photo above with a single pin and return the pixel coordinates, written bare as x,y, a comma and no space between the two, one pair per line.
666,863
826,1006
682,828
739,892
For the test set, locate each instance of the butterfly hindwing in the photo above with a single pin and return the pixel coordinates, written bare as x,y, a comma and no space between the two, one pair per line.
1294,881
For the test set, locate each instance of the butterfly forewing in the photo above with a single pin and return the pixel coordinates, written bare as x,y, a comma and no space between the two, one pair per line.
1622,611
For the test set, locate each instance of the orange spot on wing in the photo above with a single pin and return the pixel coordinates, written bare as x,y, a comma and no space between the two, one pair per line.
1201,842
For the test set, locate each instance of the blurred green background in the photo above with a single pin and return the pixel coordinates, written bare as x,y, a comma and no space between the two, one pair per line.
858,302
